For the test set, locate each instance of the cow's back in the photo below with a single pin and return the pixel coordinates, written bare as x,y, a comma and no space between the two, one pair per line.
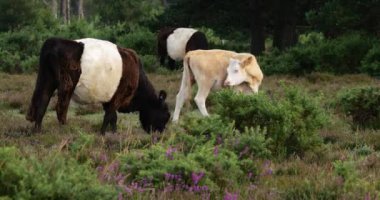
101,66
176,42
209,64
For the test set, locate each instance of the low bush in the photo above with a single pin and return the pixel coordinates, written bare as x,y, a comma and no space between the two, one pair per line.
345,54
219,154
150,63
291,120
53,177
371,62
140,39
362,105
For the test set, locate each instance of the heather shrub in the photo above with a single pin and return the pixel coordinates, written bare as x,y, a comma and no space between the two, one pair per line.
52,177
250,144
362,105
155,162
291,121
223,154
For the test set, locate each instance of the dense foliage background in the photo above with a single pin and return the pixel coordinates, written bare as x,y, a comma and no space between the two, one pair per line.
291,38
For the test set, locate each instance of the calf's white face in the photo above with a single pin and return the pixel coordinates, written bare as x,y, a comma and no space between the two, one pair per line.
235,73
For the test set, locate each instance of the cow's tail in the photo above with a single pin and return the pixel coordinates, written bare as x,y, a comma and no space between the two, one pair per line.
46,83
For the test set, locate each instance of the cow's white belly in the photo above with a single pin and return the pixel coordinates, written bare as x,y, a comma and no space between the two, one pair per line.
176,42
101,66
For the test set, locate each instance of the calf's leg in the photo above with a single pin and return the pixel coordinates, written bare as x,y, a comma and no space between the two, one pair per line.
200,97
184,91
182,96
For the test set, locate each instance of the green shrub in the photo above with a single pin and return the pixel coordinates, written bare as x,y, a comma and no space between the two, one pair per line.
362,105
80,29
150,63
139,39
9,62
371,62
314,53
291,121
53,177
210,127
251,141
153,163
208,145
20,47
344,54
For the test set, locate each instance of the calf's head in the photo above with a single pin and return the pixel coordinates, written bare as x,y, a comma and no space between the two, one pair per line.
238,73
156,115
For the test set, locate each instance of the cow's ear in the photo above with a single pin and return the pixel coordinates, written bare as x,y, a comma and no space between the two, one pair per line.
162,95
247,61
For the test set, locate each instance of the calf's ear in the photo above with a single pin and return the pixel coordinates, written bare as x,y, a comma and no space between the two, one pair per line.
162,95
247,61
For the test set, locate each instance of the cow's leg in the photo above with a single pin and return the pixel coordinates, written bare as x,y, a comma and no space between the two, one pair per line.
45,86
110,117
171,63
113,122
42,105
162,60
200,97
65,91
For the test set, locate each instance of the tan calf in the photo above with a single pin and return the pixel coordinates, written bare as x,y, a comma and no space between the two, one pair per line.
208,68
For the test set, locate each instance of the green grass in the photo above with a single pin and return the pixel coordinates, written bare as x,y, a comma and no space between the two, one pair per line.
312,176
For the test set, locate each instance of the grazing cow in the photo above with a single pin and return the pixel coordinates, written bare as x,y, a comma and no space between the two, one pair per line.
174,43
96,71
213,69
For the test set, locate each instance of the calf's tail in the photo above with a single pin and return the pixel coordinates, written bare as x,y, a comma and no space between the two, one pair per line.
187,77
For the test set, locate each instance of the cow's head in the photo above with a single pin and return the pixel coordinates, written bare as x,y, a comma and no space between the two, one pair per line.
156,115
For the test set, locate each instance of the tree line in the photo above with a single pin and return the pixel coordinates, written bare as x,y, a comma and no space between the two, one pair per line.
281,20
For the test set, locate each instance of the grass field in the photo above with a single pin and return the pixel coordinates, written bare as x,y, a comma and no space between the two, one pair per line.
348,167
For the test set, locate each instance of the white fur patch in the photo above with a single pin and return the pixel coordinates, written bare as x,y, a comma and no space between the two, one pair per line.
101,66
176,42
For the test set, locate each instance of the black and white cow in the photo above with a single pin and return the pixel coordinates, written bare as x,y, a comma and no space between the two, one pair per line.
96,71
174,43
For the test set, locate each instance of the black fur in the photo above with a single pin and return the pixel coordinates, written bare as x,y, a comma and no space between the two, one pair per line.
154,112
56,56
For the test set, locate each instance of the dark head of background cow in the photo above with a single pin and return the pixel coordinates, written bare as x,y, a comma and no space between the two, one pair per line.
155,116
174,43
